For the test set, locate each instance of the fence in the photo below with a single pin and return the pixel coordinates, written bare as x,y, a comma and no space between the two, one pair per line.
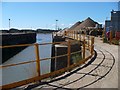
87,43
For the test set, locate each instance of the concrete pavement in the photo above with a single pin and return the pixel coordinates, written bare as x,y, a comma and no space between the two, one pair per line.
101,73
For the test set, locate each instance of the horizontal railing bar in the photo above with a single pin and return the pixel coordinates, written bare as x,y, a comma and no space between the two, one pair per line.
37,78
76,52
52,43
20,45
35,60
54,57
3,66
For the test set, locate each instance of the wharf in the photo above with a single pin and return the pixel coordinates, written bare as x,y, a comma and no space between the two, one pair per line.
101,73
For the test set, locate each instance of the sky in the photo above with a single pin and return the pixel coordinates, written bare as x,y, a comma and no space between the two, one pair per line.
33,15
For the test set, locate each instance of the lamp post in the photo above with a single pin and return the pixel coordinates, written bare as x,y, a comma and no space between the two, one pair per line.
9,23
56,25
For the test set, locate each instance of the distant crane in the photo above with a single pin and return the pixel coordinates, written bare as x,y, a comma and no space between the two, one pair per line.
56,24
9,23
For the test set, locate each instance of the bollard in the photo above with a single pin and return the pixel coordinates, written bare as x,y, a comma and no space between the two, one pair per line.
37,58
69,53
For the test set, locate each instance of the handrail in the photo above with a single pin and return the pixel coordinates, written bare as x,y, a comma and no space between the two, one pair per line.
22,45
8,65
70,34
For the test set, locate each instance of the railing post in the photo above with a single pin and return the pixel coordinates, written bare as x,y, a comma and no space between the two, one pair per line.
92,45
88,42
74,34
83,37
84,49
70,34
66,33
80,35
77,34
37,58
69,53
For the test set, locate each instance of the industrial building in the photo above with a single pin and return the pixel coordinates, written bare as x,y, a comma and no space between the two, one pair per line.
113,24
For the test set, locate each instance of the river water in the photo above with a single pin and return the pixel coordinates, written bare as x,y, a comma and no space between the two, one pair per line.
26,71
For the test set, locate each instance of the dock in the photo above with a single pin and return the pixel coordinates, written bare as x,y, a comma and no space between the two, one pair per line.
98,67
101,73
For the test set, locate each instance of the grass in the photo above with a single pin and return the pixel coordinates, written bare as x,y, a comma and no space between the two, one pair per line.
115,41
76,58
105,40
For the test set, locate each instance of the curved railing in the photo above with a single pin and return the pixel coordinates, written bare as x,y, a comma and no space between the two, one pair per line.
87,44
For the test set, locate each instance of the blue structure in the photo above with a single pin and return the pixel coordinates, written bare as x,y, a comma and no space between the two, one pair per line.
113,24
115,20
107,24
119,6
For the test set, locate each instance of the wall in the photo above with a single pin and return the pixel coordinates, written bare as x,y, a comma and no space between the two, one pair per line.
15,39
61,49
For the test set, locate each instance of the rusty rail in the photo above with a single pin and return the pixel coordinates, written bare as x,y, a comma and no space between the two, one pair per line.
71,34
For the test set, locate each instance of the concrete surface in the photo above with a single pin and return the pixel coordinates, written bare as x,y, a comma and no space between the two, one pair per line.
102,73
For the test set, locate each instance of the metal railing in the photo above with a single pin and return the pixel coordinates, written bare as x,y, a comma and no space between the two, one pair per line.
87,43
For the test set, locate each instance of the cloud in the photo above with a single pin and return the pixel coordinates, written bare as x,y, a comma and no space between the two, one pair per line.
53,24
70,24
62,24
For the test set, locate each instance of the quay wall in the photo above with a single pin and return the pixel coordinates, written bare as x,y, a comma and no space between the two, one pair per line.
15,39
62,49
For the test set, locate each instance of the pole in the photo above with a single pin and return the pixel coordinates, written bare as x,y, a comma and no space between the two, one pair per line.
9,23
37,59
56,24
